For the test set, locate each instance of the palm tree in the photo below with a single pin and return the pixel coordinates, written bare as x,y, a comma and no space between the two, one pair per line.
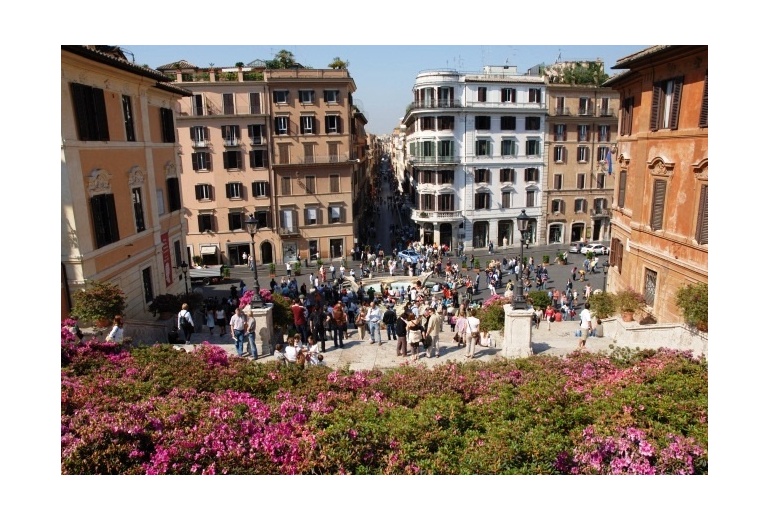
337,63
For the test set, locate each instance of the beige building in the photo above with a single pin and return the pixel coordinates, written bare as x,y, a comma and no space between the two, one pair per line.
279,144
121,203
581,130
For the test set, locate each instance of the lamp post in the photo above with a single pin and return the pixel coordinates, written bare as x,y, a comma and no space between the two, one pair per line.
183,266
251,228
605,268
519,303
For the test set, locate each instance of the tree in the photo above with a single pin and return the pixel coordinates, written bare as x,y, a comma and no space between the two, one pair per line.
283,60
693,301
337,63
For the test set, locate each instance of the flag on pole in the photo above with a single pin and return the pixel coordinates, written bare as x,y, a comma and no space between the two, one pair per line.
609,161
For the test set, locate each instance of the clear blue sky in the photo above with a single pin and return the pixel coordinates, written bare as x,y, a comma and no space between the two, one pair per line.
385,74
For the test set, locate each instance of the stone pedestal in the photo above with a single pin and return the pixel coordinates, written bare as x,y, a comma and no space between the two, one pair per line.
517,337
264,317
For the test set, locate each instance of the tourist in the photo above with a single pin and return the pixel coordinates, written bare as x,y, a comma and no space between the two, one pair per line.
373,319
585,325
116,334
237,325
473,328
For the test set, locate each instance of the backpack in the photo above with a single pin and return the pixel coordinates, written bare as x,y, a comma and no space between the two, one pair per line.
338,315
181,321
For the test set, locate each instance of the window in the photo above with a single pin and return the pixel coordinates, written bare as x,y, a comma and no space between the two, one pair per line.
306,96
531,123
560,106
258,158
559,154
508,147
658,204
557,181
334,183
160,201
626,117
281,96
622,189
205,222
508,123
334,151
702,227
481,201
332,96
336,214
136,200
285,185
256,134
105,219
283,153
312,216
427,176
231,135
507,199
600,204
445,96
446,202
602,152
616,254
167,125
530,198
507,175
428,149
201,161
533,147
203,192
582,133
604,133
427,123
309,185
446,149
482,94
483,148
446,122
255,106
559,132
198,105
228,103
309,151
235,221
481,175
508,95
427,202
445,177
260,189
531,175
199,135
264,220
535,95
234,190
703,119
664,111
307,124
128,118
582,154
650,282
232,160
600,180
174,201
557,206
580,205
149,295
333,124
483,122
281,125
604,107
584,106
90,113
581,181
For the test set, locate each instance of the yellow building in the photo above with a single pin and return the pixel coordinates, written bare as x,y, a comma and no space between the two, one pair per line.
121,202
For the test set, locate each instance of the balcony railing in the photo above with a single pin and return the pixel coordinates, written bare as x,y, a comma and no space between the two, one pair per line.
313,159
435,103
201,143
560,111
606,112
434,159
604,212
288,231
233,141
436,216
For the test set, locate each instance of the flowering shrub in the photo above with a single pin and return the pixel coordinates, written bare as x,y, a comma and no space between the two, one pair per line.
156,410
246,298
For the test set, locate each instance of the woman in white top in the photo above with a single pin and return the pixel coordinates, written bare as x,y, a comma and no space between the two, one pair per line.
461,328
473,329
116,334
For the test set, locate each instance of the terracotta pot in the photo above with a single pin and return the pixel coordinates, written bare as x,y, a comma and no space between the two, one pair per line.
627,316
103,323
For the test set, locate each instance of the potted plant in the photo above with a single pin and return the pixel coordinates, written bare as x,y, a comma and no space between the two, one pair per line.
693,301
476,264
546,259
296,268
271,268
99,303
198,260
166,305
561,258
603,304
464,264
628,301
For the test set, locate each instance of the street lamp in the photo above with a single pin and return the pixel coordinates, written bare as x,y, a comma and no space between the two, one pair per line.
519,303
605,268
251,228
183,266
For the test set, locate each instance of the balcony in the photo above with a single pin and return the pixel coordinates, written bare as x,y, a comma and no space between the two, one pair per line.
434,159
312,159
605,112
288,231
201,143
559,111
434,103
604,212
256,141
233,141
436,216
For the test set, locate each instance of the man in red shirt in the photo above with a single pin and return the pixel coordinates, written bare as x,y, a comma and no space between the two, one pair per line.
300,319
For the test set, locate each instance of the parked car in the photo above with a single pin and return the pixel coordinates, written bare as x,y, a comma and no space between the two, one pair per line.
577,247
409,255
596,248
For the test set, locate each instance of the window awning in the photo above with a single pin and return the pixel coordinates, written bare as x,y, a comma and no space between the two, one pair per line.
208,250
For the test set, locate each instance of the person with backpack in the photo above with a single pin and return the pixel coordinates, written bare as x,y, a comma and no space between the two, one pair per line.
300,314
400,326
389,319
340,324
185,323
318,319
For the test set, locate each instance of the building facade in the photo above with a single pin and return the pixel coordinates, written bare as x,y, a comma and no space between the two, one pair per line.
281,145
474,152
660,208
122,214
581,130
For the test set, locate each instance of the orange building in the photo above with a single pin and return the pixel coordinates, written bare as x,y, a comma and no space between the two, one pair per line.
660,205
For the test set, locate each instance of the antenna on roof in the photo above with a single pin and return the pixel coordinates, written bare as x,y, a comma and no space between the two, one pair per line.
558,58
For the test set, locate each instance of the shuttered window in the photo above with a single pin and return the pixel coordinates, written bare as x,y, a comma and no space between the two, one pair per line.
666,97
228,103
105,219
627,116
703,121
658,204
702,231
174,200
167,125
622,189
254,104
90,113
